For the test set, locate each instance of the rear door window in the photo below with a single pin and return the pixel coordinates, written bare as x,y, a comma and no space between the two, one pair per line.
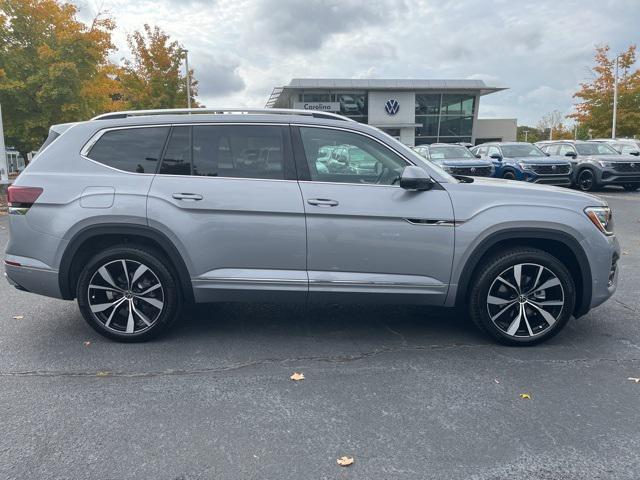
130,149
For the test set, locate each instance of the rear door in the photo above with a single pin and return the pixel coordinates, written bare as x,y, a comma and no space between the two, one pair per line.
226,194
367,237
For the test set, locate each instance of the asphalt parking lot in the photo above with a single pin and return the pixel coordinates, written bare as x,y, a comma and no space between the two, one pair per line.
408,392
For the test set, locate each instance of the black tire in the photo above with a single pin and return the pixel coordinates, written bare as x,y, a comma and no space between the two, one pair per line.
586,180
631,187
509,175
151,309
532,327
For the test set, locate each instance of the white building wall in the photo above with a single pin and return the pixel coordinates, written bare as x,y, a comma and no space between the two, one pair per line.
496,129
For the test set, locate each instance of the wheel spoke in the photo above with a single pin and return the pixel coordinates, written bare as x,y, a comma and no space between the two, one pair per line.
104,273
142,316
130,321
509,284
526,321
101,307
497,315
138,273
517,273
535,284
548,303
552,282
109,289
515,325
550,319
497,300
126,274
148,290
152,301
108,322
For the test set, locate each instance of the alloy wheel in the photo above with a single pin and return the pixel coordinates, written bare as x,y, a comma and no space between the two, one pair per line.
525,300
125,296
585,181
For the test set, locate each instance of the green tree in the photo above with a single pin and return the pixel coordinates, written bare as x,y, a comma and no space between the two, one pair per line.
594,111
153,78
53,68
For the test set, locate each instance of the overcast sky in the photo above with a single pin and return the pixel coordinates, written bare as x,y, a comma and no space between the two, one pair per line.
241,49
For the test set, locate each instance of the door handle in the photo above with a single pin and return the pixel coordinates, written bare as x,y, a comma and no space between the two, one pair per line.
187,196
322,202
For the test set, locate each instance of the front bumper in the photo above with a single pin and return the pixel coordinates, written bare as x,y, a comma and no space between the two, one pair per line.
605,270
610,176
560,180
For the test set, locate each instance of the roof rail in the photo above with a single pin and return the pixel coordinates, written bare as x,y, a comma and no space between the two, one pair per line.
221,111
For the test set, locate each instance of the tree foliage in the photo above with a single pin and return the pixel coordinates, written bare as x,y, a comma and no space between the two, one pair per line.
595,108
153,78
56,69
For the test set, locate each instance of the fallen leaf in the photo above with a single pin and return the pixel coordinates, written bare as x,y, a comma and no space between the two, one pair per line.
345,461
624,252
103,374
496,380
525,396
86,344
18,317
634,379
297,376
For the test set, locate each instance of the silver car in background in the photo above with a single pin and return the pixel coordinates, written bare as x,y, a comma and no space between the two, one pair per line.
135,214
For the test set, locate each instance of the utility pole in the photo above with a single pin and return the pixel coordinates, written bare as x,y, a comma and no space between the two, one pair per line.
526,134
4,168
551,132
186,65
615,101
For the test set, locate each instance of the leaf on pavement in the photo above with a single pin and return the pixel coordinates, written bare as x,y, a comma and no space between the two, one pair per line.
345,461
297,376
496,380
525,396
634,379
103,374
624,252
86,344
18,317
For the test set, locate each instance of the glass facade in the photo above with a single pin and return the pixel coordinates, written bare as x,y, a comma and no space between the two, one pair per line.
352,104
444,117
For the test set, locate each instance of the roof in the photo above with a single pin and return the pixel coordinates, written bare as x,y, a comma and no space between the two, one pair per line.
378,84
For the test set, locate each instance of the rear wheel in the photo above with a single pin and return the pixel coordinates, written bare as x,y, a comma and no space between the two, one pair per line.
127,294
586,180
522,296
631,187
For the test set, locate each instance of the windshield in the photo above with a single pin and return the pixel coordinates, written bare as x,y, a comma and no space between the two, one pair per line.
446,153
522,150
595,149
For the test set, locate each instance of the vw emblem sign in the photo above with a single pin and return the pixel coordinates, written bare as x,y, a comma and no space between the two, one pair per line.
391,106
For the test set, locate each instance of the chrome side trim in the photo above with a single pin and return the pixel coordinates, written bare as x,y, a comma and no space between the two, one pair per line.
432,223
269,281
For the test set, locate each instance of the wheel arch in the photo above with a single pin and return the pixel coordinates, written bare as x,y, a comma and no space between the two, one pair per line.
92,239
559,244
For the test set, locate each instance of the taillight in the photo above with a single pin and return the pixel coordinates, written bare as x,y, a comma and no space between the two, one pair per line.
20,198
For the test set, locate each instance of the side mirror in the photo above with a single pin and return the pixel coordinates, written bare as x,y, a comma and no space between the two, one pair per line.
570,154
547,154
478,155
496,156
635,152
415,178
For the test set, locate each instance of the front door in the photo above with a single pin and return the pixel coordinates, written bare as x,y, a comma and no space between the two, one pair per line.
228,198
365,234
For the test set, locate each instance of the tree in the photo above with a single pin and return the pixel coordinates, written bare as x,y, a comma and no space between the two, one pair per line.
551,125
152,78
594,111
53,68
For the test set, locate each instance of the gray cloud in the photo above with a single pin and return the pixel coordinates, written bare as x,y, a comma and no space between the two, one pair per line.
217,77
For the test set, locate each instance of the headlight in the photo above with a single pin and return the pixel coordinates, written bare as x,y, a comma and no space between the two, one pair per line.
604,164
602,218
447,168
524,166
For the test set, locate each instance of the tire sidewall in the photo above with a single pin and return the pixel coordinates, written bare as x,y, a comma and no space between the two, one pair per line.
593,181
172,297
498,264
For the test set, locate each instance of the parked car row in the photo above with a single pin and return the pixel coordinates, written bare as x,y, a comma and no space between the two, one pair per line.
586,165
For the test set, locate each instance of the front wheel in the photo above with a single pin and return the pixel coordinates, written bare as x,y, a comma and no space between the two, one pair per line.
509,175
522,296
631,187
586,180
127,294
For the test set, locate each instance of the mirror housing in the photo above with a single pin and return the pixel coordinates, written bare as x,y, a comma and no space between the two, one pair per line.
496,156
478,155
416,179
635,152
570,154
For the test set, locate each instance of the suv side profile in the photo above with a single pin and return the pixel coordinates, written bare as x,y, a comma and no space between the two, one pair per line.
135,214
524,161
597,164
455,159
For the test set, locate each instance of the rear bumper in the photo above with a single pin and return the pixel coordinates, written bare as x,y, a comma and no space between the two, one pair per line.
36,280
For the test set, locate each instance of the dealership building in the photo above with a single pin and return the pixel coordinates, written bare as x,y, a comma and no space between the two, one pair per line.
414,111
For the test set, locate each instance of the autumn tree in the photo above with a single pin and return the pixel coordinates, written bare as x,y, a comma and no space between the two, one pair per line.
594,111
153,77
552,125
53,68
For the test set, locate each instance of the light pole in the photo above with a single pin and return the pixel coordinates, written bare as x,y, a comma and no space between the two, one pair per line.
4,168
526,134
186,65
615,101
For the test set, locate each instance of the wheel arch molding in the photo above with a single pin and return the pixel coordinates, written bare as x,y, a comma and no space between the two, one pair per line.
79,248
552,241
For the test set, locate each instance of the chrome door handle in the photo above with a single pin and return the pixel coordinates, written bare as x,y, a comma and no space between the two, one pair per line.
187,196
322,202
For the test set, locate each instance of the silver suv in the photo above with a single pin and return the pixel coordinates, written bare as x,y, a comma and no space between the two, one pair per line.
135,214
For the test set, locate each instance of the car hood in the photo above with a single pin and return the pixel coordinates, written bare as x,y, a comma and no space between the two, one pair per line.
612,158
553,160
484,193
463,162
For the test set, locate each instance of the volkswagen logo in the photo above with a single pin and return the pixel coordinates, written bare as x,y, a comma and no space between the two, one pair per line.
391,106
633,165
553,167
473,169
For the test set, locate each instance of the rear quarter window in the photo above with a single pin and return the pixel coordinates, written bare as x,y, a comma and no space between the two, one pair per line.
135,150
